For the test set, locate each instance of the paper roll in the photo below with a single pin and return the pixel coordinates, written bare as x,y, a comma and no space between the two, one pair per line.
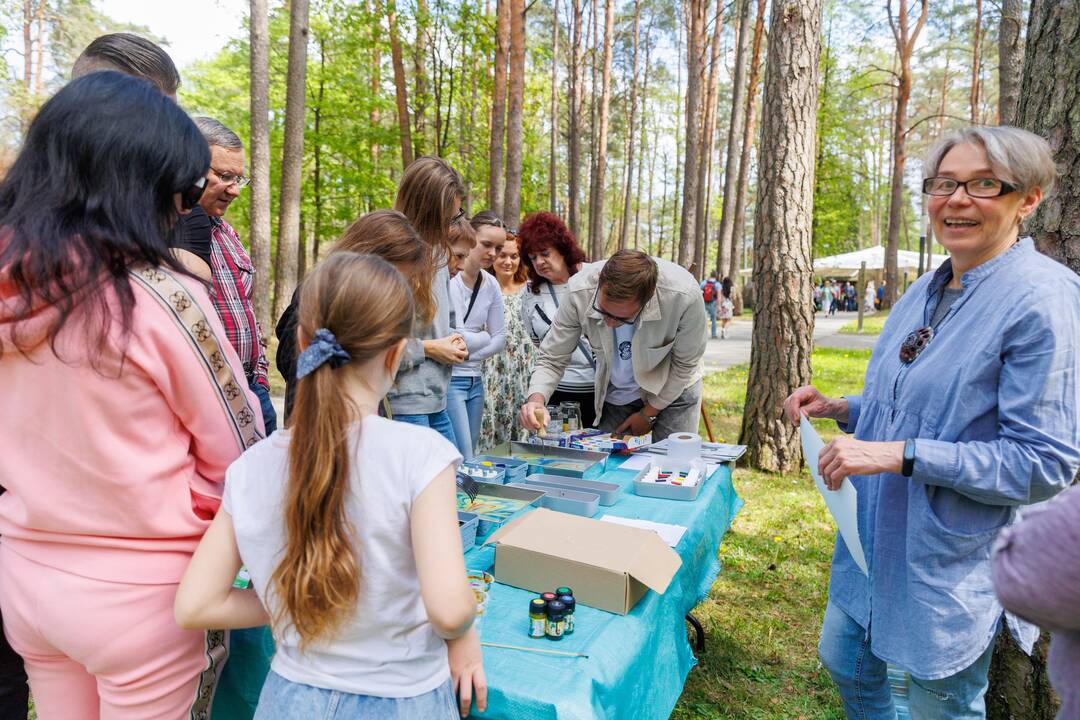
683,448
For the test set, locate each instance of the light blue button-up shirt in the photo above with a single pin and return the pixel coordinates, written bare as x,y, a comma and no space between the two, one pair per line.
993,402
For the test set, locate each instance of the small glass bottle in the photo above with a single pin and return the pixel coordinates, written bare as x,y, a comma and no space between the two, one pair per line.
537,618
571,604
556,620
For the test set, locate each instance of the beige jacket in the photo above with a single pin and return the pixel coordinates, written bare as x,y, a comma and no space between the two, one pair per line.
669,342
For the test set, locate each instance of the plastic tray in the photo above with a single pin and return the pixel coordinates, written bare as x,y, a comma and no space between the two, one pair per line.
608,492
515,470
585,504
467,524
549,460
489,523
666,490
484,473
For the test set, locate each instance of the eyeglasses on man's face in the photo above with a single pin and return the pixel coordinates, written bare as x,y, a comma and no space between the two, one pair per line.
228,178
986,187
616,318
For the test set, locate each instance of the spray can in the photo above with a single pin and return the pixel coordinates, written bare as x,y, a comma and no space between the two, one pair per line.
556,620
537,618
570,603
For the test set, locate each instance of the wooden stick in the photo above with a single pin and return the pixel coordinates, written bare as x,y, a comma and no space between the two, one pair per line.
535,650
538,415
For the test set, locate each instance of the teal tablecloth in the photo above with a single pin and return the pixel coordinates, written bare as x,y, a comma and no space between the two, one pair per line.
637,663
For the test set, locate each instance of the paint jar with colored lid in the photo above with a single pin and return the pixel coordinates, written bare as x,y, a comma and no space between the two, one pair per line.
537,618
563,591
548,597
570,603
556,620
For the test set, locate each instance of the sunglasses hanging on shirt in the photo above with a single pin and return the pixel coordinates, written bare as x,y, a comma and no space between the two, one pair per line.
189,198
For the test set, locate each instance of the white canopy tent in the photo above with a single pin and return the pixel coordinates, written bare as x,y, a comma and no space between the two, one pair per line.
846,265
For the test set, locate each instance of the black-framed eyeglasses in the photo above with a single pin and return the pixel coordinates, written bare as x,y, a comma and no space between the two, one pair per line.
240,181
616,318
915,343
987,187
189,198
460,214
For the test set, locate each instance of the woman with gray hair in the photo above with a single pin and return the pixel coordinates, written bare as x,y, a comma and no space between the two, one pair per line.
969,411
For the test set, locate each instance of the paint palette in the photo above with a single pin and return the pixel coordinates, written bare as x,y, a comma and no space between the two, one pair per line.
560,461
656,481
495,504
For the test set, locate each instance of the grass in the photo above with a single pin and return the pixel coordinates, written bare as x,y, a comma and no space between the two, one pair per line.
763,614
872,324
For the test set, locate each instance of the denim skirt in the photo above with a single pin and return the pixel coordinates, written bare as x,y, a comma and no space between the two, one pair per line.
283,699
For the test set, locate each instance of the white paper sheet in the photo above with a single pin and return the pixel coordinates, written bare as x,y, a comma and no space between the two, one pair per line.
671,534
842,503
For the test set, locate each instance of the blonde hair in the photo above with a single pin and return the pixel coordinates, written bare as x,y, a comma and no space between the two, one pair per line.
318,578
388,234
427,194
1018,157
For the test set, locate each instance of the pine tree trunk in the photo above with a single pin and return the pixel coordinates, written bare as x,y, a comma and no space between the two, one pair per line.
421,90
741,190
596,208
259,228
905,42
732,171
629,184
976,62
498,107
292,159
553,166
376,89
783,309
514,128
1010,59
708,142
695,50
575,59
401,92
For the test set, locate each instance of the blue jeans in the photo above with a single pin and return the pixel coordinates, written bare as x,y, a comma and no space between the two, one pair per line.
282,699
439,421
862,678
710,310
465,405
268,412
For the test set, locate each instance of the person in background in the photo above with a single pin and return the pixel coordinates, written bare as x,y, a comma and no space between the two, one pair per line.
945,452
726,307
478,311
506,374
136,399
880,295
339,491
388,234
1036,570
552,256
851,303
868,297
231,267
646,317
710,295
430,195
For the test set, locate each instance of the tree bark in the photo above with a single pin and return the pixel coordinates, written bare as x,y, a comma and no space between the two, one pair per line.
421,91
259,229
695,50
741,190
976,62
575,59
732,171
376,91
514,128
401,92
498,106
292,159
708,142
553,166
629,184
1010,59
780,358
316,175
596,209
905,38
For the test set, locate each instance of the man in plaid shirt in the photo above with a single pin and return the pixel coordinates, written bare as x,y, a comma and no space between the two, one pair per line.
233,273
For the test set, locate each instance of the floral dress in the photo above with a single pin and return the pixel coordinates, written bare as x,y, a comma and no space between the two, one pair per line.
506,379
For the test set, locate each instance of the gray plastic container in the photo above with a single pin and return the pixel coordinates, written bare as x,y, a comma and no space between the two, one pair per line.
667,491
608,492
585,504
488,525
515,470
467,524
589,465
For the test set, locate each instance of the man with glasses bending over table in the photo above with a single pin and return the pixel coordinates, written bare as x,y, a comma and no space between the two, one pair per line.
644,318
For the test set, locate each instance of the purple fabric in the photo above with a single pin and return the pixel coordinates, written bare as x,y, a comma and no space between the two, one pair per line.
1036,569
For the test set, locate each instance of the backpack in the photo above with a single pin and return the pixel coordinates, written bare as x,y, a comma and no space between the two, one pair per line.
709,292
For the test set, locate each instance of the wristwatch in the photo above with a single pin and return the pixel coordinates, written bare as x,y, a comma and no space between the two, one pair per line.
908,466
650,418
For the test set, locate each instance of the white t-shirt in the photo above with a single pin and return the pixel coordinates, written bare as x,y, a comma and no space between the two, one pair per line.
623,389
484,330
388,648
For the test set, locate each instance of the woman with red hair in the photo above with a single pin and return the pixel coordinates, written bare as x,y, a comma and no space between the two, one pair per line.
552,255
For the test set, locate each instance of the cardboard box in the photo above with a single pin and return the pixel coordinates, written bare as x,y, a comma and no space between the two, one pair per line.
609,566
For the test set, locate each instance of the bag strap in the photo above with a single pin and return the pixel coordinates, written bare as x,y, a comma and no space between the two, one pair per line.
185,312
580,344
472,299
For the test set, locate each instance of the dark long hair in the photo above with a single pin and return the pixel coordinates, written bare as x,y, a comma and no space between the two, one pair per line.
91,193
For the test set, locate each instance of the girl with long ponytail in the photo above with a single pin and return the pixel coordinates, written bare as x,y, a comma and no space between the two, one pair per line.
345,523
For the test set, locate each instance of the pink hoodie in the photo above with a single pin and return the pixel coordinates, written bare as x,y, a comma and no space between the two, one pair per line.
113,475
